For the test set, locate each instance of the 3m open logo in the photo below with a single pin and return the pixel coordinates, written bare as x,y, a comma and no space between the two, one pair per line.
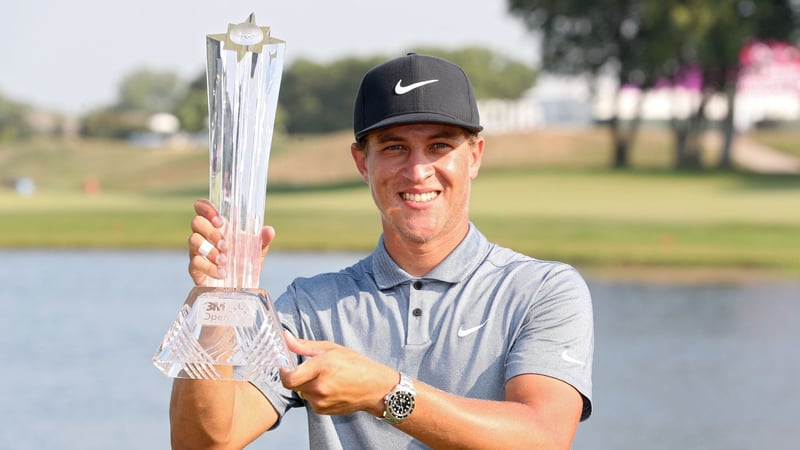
226,312
215,306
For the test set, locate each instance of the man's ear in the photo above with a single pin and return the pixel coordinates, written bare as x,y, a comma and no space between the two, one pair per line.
360,158
477,157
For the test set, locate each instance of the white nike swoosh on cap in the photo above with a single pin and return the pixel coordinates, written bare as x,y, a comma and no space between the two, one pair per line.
466,332
568,358
399,89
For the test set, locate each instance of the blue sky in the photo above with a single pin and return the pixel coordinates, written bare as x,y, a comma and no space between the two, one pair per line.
71,55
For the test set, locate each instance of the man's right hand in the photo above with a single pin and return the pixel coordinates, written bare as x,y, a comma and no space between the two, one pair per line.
207,226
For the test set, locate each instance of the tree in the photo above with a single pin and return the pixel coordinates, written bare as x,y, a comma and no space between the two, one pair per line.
141,94
729,26
319,97
585,37
150,91
13,123
113,123
192,109
644,41
493,76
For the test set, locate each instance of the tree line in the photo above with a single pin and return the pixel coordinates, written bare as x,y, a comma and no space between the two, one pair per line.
644,43
314,97
647,42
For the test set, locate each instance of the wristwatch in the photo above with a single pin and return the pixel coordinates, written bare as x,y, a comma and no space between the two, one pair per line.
399,403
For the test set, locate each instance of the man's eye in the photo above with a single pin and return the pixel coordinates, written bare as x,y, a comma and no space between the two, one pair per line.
440,146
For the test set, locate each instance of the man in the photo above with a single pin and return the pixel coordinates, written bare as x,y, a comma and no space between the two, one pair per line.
438,338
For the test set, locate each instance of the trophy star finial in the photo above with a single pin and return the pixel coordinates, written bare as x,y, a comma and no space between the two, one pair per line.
243,36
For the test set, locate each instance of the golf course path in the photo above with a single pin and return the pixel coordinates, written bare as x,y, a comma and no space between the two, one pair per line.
759,158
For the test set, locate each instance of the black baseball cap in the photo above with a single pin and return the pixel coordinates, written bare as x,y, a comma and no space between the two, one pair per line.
415,88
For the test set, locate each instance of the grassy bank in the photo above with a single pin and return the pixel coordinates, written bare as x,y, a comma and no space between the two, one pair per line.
559,202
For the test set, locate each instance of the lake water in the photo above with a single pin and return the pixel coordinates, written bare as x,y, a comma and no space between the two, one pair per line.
689,367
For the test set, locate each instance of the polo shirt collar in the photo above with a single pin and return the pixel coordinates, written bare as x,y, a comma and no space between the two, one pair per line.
456,267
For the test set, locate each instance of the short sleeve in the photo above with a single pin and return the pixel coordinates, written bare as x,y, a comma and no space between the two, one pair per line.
556,338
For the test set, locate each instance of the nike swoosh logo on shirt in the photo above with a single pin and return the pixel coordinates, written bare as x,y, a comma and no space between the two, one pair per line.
466,332
399,89
568,358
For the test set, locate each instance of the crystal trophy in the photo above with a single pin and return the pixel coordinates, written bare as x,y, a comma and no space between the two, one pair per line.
228,329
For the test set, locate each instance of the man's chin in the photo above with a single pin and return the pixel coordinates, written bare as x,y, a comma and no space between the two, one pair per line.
420,233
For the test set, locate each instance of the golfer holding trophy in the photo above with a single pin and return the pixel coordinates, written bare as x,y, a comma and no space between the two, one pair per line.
437,339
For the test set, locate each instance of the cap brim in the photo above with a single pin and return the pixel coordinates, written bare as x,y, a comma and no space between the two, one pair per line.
418,117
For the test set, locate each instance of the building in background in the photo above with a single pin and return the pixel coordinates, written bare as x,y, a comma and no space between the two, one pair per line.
768,93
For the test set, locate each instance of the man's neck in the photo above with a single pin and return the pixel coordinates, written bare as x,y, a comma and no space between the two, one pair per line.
419,258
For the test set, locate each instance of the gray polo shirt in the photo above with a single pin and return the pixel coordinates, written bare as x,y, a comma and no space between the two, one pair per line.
484,315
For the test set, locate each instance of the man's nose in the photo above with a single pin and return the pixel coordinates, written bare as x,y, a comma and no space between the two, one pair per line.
419,166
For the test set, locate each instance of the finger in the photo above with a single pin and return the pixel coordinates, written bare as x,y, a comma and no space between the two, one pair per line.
300,377
206,244
205,208
304,347
201,268
207,231
205,248
199,245
267,235
204,263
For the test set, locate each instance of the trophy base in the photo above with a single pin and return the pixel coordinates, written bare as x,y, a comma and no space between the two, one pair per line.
225,334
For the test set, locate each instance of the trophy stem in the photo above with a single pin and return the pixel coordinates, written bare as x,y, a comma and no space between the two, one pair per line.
243,90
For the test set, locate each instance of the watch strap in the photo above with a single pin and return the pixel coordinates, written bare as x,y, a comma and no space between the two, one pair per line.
400,401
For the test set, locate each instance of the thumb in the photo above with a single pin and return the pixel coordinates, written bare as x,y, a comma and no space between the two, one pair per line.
267,235
303,347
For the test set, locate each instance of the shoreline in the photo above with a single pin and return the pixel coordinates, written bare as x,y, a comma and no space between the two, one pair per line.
688,276
614,273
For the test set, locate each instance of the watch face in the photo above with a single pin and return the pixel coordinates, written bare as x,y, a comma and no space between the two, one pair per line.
401,404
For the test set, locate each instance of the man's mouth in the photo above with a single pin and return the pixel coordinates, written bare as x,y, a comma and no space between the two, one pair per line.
419,198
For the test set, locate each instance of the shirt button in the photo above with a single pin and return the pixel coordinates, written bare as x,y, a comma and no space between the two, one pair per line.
417,312
418,285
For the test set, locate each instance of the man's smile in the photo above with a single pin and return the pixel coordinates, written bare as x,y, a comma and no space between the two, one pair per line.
419,197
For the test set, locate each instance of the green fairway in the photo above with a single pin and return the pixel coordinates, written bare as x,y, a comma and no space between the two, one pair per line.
591,218
731,220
